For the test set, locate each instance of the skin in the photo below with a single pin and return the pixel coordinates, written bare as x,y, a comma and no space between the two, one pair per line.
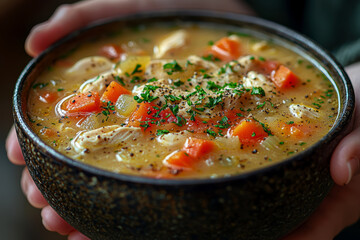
341,207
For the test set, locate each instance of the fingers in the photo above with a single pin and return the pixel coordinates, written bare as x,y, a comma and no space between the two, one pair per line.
339,210
68,18
53,222
345,159
77,236
31,191
13,148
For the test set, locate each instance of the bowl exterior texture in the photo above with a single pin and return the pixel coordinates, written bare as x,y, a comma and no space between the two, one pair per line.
265,205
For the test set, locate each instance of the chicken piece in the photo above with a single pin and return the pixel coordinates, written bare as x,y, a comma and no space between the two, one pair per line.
173,139
89,67
170,44
98,84
155,69
254,79
104,137
301,111
200,63
260,46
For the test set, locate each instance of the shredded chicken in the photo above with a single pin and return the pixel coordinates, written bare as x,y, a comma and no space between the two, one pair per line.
170,44
104,137
254,79
301,111
89,67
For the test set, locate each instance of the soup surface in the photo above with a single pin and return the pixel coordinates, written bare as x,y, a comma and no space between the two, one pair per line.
188,101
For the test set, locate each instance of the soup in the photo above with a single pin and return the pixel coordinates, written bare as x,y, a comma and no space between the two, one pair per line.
187,101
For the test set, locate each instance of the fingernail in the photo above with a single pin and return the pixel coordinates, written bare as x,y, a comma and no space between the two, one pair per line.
353,168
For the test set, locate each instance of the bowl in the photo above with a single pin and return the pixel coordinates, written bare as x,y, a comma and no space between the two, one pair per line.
262,204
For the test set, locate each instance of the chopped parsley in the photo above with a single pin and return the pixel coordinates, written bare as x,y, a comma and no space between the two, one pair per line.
145,95
108,109
178,83
40,85
152,80
160,132
258,91
211,132
211,58
172,67
137,69
120,80
223,123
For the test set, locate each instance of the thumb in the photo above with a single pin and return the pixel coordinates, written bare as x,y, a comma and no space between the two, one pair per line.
345,161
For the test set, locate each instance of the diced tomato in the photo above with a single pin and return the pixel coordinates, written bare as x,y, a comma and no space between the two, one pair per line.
226,49
179,160
249,132
197,125
48,97
113,91
84,103
197,148
266,67
111,51
283,77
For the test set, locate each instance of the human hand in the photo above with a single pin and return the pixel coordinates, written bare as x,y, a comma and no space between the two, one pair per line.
340,202
341,207
66,19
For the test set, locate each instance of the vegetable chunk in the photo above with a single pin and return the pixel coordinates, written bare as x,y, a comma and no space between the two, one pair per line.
226,49
249,132
84,103
197,148
283,77
113,91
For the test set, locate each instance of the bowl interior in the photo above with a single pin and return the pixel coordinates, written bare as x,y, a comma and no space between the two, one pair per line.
245,24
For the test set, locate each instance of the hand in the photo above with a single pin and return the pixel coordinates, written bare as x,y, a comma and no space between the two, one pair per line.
341,207
341,202
66,19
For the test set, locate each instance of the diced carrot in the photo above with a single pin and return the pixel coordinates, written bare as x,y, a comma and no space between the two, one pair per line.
113,91
142,112
48,97
283,77
197,148
295,130
84,103
111,51
226,49
179,160
48,132
249,132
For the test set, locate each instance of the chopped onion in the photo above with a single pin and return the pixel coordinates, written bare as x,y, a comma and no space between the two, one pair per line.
125,105
271,143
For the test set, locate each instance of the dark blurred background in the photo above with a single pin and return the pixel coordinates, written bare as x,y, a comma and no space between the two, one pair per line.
18,220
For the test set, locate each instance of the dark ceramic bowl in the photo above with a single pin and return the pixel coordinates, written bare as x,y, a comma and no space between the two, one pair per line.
263,204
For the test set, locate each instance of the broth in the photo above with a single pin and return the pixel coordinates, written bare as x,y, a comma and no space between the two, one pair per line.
189,101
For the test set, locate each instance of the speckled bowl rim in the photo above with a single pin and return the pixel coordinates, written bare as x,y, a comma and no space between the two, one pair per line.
304,42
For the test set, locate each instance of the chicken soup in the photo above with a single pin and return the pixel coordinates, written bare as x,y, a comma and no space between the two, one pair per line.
189,101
